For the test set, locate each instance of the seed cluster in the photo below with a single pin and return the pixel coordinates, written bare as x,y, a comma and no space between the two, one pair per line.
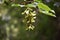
30,17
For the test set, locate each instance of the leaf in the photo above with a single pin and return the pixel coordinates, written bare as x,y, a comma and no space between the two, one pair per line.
52,11
43,7
17,5
30,5
47,13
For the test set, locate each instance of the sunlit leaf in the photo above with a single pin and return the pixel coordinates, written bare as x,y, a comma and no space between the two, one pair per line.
43,7
30,5
47,13
52,11
17,5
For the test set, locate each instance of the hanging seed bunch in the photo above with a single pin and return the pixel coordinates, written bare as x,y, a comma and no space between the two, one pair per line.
29,19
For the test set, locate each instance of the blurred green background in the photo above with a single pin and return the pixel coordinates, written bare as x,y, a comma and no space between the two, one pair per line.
12,27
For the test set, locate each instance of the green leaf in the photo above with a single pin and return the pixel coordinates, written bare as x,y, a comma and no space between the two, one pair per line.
30,5
52,11
17,5
47,13
43,7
